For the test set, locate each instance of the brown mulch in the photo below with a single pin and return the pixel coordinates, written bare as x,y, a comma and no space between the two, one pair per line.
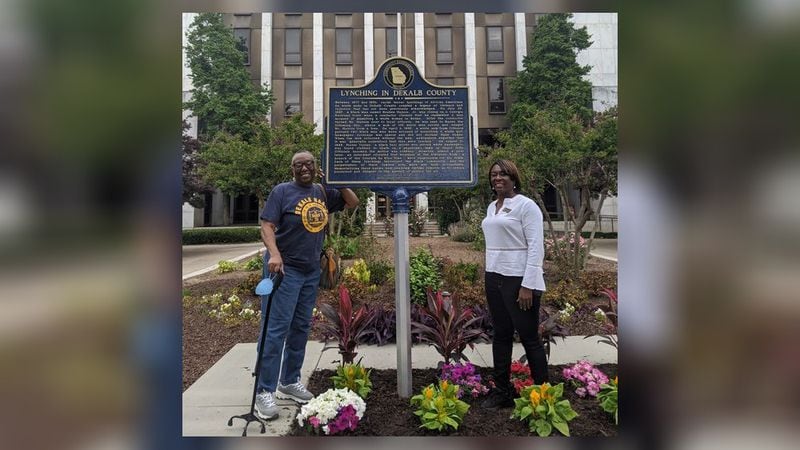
389,415
206,340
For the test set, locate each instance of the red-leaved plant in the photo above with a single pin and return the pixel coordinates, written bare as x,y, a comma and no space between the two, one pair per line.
447,327
345,325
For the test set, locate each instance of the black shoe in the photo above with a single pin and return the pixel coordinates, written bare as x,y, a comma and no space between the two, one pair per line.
498,399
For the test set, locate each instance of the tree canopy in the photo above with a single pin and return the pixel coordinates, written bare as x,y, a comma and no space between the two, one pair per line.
224,99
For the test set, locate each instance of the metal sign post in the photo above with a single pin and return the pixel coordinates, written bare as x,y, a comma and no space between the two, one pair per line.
401,292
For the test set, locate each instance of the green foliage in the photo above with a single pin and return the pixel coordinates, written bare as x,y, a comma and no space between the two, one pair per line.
416,222
223,98
353,377
551,75
194,186
345,247
358,272
554,138
202,236
423,275
439,406
380,272
226,266
541,406
607,397
448,327
563,292
450,204
474,219
455,276
254,263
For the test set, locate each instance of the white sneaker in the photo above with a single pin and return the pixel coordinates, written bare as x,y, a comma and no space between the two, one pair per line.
294,391
266,408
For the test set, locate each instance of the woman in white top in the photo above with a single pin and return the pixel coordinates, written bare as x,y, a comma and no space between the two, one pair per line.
514,279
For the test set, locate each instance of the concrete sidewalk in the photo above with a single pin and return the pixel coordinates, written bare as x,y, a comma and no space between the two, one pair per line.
604,249
200,259
226,389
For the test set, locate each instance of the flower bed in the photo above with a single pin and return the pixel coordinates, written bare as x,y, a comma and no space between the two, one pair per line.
388,415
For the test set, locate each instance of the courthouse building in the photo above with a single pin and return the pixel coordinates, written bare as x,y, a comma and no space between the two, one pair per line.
301,55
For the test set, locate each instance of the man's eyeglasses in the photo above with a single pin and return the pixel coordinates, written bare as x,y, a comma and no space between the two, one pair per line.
299,165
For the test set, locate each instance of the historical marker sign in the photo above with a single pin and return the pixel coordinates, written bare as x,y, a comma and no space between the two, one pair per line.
399,130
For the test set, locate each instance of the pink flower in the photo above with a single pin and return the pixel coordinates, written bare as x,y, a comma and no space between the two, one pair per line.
314,421
581,392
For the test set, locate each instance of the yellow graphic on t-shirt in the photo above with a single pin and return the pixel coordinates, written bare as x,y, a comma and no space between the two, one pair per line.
314,214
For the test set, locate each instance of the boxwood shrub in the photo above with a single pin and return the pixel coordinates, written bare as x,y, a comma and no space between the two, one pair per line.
198,236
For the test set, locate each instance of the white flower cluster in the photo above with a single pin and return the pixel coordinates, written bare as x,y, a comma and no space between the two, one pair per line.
326,405
565,313
600,314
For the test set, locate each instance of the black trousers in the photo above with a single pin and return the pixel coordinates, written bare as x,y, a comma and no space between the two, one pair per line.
501,294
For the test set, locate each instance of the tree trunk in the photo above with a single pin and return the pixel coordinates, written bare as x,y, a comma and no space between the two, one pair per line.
537,197
595,227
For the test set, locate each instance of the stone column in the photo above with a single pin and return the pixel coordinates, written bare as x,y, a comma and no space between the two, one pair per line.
318,53
521,39
266,53
472,78
369,48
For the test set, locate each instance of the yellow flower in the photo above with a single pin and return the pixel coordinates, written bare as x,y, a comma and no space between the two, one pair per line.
428,393
615,381
350,371
535,397
444,385
543,390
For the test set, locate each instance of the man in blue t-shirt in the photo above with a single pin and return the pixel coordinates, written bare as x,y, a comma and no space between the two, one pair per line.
292,225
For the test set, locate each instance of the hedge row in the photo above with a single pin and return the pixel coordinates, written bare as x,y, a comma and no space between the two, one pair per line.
198,236
600,235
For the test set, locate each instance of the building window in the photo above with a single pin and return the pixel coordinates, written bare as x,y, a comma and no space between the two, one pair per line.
344,82
497,96
292,97
494,44
293,20
444,45
445,81
293,46
242,36
344,46
391,42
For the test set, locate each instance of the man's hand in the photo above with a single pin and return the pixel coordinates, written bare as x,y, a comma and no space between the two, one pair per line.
525,298
275,263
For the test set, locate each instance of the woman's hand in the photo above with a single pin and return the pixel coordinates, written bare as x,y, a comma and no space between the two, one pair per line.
525,298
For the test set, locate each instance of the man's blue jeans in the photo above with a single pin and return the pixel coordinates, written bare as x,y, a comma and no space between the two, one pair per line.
288,327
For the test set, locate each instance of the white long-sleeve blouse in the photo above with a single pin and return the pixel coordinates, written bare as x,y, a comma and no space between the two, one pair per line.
515,240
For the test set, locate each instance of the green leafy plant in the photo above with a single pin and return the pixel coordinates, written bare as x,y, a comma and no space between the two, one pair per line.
226,266
423,275
254,263
345,247
439,406
455,276
608,398
542,407
353,377
416,222
380,272
358,272
447,327
347,326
